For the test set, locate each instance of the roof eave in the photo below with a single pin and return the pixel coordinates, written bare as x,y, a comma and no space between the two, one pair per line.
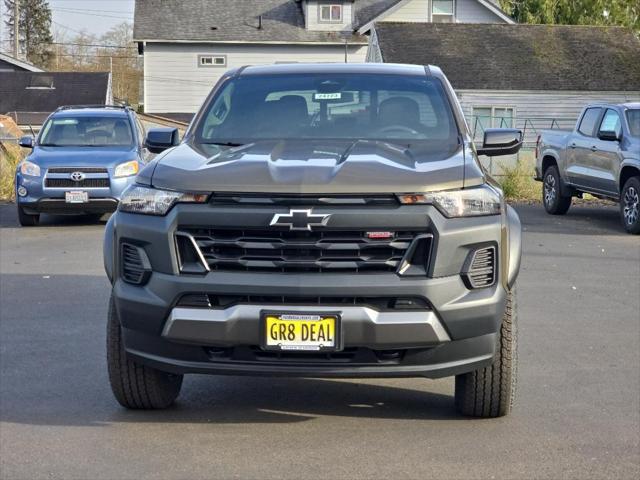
251,42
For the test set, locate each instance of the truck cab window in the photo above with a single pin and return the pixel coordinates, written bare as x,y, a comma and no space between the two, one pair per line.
589,120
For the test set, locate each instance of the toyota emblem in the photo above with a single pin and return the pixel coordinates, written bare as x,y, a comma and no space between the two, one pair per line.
77,176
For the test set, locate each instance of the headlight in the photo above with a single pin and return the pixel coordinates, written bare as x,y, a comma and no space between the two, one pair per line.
126,169
151,201
29,168
470,202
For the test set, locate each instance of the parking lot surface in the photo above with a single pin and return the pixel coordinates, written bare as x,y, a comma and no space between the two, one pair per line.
577,415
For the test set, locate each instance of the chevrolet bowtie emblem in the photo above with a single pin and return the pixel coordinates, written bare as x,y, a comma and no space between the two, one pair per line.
300,220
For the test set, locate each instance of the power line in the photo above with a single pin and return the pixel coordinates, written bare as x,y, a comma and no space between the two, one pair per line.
94,45
80,12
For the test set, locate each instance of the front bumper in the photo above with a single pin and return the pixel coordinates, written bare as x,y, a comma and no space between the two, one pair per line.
40,199
457,333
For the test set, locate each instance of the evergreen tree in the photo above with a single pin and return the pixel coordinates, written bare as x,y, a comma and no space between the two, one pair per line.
624,13
34,27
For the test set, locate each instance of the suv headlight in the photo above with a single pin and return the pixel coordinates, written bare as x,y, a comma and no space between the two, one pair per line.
152,201
470,202
126,169
29,168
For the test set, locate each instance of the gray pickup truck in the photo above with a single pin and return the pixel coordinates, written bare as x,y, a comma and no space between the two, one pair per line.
317,221
600,157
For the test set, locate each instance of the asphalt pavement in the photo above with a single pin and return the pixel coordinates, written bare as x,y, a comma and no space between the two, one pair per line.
577,413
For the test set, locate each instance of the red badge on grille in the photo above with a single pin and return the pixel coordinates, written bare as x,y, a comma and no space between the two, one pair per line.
379,235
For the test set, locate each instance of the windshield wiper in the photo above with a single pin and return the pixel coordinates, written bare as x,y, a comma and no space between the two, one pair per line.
224,144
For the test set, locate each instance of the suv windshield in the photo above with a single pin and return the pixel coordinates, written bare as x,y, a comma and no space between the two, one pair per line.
87,131
323,106
633,117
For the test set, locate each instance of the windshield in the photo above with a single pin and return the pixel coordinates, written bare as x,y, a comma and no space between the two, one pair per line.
323,106
633,118
86,131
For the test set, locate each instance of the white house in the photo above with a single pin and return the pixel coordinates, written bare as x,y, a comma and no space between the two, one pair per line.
189,44
528,76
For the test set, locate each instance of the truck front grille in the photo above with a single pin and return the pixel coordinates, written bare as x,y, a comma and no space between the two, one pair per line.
60,177
293,251
208,300
68,183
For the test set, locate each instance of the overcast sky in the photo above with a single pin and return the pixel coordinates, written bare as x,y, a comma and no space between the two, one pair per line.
73,16
95,16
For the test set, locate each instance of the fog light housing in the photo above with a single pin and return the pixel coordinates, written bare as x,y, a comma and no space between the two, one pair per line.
22,192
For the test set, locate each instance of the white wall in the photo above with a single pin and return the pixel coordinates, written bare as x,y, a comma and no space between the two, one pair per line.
540,107
413,11
466,11
175,83
534,111
471,11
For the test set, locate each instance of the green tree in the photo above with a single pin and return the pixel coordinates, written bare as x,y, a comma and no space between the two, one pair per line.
34,27
624,13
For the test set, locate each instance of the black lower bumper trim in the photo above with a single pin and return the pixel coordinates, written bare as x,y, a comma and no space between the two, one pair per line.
60,206
447,359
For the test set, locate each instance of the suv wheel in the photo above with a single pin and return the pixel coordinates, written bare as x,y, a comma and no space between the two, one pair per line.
134,385
630,205
26,219
554,202
490,391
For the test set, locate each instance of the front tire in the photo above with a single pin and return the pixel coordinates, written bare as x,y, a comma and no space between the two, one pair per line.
136,386
26,219
554,202
490,391
630,205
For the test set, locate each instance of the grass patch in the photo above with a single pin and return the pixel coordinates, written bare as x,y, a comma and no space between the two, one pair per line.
518,183
9,158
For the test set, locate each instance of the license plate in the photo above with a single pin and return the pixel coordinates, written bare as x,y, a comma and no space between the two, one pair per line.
76,197
300,331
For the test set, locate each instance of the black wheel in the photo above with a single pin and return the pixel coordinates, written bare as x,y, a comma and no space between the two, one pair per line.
26,219
630,205
490,392
554,202
136,386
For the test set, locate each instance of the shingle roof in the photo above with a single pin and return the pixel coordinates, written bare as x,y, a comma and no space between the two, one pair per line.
25,92
368,10
19,64
519,57
237,21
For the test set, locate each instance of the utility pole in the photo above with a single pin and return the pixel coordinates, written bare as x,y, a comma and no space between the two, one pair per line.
16,28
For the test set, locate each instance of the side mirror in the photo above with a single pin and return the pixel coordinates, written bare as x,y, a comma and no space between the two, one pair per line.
501,141
160,139
609,136
26,142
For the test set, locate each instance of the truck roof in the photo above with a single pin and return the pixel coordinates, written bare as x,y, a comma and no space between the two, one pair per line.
90,112
337,68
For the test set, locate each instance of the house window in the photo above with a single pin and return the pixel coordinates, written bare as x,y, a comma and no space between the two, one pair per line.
40,82
442,11
212,60
491,117
330,13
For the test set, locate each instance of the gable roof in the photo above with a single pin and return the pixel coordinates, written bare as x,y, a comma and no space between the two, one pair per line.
19,64
377,10
229,21
518,57
31,92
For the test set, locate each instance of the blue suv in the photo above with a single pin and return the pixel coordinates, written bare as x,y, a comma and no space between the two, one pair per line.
82,160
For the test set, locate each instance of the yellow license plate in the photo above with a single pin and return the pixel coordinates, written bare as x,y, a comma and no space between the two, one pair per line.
304,332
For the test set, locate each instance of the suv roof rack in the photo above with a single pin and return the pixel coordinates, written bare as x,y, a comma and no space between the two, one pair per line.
78,107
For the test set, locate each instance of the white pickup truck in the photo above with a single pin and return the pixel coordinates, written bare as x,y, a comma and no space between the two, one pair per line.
601,156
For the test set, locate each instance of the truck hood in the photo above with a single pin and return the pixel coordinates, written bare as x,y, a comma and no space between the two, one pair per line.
309,167
107,157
